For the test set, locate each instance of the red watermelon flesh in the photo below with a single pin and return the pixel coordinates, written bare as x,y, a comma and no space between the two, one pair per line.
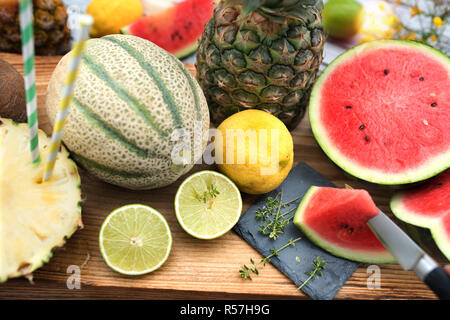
336,220
428,206
381,111
175,29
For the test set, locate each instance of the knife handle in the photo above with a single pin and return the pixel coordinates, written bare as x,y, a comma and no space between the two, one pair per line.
439,281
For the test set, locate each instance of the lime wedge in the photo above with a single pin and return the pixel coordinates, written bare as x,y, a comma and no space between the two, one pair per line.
208,204
135,239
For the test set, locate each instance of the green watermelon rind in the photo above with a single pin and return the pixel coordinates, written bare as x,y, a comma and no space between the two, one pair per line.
441,239
350,254
408,216
427,170
433,224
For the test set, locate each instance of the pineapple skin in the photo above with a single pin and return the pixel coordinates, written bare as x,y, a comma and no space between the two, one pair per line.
265,60
51,33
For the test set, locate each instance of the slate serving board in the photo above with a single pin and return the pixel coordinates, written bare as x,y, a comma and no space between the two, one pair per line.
337,270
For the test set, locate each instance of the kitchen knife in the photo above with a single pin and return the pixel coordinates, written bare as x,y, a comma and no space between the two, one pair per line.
410,256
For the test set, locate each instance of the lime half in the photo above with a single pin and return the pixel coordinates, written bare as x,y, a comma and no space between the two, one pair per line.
135,239
208,204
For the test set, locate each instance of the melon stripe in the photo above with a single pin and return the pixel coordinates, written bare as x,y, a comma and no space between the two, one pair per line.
192,84
123,94
109,130
167,96
87,163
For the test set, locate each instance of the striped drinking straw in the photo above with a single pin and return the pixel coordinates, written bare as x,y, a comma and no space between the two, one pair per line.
26,30
85,23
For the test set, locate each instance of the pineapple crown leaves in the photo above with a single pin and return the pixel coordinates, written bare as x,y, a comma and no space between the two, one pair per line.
281,8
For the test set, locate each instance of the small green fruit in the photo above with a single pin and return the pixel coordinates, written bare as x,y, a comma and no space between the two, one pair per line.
342,18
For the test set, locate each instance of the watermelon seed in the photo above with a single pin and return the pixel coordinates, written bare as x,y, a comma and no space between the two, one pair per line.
434,104
361,127
349,229
348,107
421,78
367,138
439,184
386,71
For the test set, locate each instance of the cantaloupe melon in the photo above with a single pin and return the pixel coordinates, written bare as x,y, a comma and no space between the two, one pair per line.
129,97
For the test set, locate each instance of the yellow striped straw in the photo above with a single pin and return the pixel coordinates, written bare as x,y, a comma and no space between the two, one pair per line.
85,22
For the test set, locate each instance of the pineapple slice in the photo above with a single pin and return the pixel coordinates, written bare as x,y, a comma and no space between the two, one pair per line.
35,217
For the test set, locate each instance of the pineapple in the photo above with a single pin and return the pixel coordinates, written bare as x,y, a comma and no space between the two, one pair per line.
261,54
35,217
51,34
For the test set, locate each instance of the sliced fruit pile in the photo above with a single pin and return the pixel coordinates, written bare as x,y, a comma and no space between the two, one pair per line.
336,220
35,217
381,113
428,206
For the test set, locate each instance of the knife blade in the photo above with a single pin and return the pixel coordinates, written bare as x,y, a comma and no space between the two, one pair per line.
409,255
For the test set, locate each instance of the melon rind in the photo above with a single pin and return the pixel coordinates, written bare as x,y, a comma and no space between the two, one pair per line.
427,170
434,224
401,212
356,255
441,238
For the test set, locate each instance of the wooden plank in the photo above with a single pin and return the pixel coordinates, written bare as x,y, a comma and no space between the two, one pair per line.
195,268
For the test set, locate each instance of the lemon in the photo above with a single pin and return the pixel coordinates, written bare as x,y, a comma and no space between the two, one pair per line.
111,15
258,152
208,205
342,18
135,239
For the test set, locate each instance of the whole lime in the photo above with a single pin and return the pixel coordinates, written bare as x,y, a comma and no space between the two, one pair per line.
342,18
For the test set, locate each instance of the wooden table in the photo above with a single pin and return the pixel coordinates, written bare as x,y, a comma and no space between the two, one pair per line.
196,269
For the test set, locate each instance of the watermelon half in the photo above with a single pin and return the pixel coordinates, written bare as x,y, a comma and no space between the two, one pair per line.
381,111
175,29
336,220
428,206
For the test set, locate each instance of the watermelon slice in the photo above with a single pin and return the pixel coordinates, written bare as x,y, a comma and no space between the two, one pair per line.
177,28
428,206
336,220
381,111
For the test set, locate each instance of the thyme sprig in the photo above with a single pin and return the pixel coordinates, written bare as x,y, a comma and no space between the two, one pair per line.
318,265
246,271
273,220
211,193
